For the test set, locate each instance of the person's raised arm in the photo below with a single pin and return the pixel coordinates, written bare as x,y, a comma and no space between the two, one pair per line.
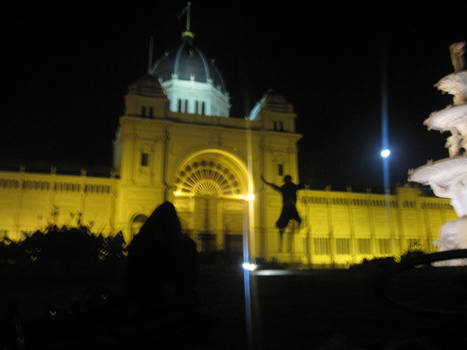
275,187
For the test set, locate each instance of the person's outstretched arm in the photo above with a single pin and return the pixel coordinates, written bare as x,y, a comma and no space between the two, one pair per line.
275,187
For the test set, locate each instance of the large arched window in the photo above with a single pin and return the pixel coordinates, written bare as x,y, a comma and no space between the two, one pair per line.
207,177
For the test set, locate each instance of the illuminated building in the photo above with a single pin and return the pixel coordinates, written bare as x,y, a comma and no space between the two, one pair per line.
176,142
347,227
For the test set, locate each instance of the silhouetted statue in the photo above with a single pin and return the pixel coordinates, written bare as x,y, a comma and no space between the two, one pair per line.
161,259
289,198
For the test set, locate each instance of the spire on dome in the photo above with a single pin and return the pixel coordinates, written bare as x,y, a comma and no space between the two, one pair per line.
187,34
191,81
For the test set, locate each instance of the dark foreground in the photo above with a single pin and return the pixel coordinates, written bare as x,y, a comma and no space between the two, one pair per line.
318,309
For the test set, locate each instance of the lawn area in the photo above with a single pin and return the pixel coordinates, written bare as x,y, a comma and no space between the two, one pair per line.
315,309
339,309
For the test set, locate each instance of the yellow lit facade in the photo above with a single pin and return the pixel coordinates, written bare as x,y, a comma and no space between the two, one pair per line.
32,201
178,149
343,228
200,163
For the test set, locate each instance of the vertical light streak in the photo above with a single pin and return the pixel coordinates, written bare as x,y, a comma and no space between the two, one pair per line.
251,214
246,283
248,241
384,124
385,146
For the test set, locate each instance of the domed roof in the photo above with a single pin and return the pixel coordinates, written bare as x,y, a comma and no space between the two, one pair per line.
187,62
147,85
271,101
274,101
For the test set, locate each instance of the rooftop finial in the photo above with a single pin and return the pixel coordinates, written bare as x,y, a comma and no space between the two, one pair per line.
187,10
188,15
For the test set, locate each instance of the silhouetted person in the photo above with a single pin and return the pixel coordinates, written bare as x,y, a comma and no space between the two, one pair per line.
161,259
289,198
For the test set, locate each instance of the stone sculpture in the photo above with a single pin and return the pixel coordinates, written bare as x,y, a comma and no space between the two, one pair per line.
457,56
448,177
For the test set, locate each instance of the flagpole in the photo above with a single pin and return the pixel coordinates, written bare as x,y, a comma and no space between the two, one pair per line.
150,53
188,15
187,10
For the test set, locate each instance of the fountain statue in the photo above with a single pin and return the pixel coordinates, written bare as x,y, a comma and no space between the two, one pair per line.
448,177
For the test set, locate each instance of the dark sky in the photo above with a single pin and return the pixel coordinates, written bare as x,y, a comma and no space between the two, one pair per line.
70,68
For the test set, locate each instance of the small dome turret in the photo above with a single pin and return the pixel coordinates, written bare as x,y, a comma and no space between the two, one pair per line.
147,85
271,101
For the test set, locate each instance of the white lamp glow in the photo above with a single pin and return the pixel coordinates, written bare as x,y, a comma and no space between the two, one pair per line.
385,153
249,197
249,266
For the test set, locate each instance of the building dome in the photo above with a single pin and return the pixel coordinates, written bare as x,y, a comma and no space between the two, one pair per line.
191,81
147,85
187,62
271,101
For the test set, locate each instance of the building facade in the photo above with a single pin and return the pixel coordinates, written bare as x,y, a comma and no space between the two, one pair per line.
176,142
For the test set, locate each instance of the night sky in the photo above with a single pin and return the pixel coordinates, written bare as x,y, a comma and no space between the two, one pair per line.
70,69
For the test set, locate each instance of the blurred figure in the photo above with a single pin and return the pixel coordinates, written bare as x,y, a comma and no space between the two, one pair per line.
161,259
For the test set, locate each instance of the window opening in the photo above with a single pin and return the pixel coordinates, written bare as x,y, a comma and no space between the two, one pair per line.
144,159
280,169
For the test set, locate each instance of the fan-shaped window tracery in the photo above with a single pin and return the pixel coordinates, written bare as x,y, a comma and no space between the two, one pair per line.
207,177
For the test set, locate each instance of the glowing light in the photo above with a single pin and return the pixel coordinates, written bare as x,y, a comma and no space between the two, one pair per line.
249,266
385,153
250,197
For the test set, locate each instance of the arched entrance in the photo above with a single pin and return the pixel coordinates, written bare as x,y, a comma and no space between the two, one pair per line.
210,196
136,223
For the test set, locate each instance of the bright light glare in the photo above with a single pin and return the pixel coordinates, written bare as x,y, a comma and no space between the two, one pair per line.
385,153
249,266
249,197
